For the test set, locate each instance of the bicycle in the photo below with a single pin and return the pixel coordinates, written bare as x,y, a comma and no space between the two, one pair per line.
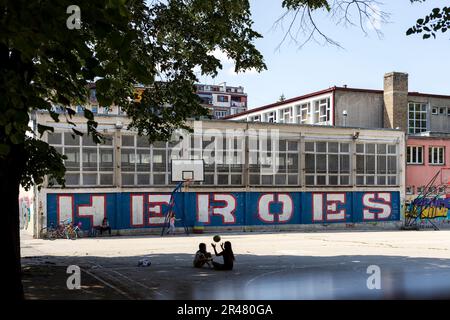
52,232
72,232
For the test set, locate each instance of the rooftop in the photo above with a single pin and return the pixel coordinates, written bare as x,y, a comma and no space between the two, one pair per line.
331,89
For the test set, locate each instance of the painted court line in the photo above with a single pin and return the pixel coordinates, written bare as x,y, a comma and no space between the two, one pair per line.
130,280
108,284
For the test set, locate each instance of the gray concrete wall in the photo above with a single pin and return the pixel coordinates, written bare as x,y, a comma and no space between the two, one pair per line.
364,109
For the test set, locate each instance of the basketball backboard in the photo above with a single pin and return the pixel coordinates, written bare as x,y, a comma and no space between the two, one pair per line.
187,170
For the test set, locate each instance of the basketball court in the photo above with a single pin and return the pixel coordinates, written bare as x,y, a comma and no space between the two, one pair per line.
325,265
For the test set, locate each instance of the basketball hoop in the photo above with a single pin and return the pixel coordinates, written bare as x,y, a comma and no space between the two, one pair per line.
187,170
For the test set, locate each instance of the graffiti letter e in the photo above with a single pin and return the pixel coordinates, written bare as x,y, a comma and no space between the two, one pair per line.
374,281
74,280
74,20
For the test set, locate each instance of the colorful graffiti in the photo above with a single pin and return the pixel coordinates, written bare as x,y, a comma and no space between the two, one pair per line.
25,212
429,208
147,210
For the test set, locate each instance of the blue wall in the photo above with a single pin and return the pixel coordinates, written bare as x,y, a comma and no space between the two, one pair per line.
146,210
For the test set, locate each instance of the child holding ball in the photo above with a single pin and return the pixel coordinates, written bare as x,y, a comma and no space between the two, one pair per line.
227,254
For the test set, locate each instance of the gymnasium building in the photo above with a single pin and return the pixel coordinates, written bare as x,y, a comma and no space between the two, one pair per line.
253,175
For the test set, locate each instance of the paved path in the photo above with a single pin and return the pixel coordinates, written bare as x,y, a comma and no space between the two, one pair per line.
326,265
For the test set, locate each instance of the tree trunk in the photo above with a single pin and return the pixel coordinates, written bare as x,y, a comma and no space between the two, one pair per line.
10,234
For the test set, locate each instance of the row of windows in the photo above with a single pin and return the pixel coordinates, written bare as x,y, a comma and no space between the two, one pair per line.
440,111
376,164
87,163
222,98
220,114
326,162
315,112
415,155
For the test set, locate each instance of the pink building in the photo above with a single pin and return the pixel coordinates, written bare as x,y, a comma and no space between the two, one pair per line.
427,155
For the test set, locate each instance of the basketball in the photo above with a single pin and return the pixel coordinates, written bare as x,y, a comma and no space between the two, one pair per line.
216,238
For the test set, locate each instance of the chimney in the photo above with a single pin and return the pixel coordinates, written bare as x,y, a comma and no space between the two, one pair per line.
396,100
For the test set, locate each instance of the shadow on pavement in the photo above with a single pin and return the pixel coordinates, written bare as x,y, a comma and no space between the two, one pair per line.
255,277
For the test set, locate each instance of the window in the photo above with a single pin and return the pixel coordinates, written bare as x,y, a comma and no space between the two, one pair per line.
417,117
376,164
448,111
87,163
420,189
144,164
286,115
322,111
271,117
442,111
414,155
223,159
220,114
268,166
230,171
434,110
436,155
222,98
409,190
255,118
327,163
303,113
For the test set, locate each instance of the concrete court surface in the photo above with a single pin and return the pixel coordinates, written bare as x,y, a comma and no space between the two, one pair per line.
288,265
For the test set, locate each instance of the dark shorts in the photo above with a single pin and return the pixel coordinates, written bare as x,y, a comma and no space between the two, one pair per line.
220,266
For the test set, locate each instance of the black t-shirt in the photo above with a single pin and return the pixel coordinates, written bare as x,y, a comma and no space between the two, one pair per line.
227,259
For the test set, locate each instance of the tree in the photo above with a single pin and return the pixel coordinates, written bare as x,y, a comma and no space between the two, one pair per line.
48,58
437,21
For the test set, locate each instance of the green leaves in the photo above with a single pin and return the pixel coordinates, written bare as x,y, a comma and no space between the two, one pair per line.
41,129
312,4
437,21
41,160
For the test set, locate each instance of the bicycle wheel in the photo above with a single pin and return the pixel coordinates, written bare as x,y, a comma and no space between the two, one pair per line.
70,234
44,233
78,233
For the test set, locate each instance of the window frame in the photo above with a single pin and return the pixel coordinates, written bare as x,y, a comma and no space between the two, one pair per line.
418,117
431,154
82,171
376,154
410,162
327,174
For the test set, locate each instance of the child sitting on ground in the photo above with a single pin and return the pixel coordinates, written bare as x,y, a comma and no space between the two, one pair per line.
202,257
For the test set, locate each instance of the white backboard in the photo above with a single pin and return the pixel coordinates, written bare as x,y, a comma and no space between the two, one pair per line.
187,170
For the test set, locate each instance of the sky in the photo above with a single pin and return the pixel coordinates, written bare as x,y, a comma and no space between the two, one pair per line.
360,63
